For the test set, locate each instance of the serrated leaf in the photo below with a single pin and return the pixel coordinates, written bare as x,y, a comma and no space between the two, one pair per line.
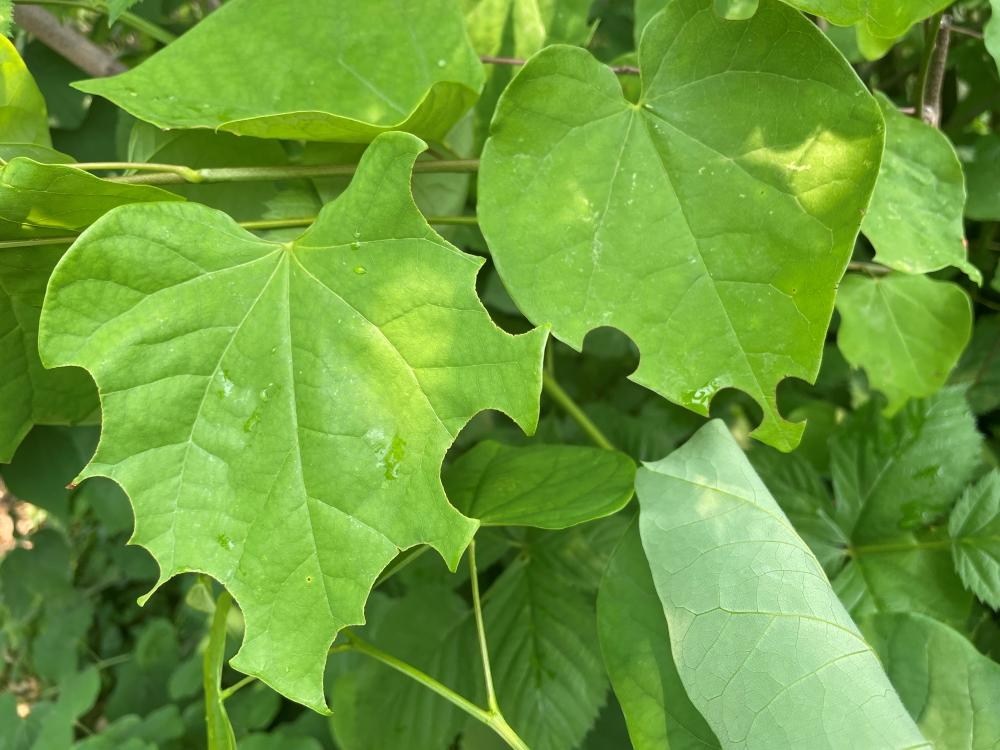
979,368
948,687
546,486
599,212
766,651
915,218
295,400
377,708
545,655
893,478
636,648
23,117
348,71
974,527
906,332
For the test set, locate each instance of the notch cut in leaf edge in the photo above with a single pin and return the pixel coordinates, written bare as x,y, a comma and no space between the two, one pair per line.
525,414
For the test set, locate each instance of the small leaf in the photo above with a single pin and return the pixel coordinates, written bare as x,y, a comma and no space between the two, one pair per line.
915,217
979,368
975,533
546,486
907,332
117,7
348,71
23,117
377,708
766,651
636,647
947,686
545,655
600,212
277,417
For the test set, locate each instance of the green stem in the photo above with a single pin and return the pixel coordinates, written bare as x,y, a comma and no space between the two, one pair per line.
257,224
236,687
220,731
875,269
177,174
128,18
551,386
931,74
493,720
401,562
477,607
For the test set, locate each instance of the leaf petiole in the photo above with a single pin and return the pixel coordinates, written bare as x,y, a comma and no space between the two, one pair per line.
551,386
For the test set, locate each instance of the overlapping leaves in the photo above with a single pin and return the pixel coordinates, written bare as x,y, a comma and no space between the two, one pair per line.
306,394
715,246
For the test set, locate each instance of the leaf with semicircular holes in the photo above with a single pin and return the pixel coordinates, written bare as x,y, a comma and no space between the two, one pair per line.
716,243
279,412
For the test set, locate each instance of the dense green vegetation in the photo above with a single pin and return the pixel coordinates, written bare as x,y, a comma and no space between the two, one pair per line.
472,374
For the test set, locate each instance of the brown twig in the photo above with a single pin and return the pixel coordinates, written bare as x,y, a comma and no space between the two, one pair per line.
70,44
628,70
936,40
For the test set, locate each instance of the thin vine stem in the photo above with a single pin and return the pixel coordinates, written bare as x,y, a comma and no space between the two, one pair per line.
628,70
932,69
305,221
128,18
178,174
492,719
875,269
477,608
551,386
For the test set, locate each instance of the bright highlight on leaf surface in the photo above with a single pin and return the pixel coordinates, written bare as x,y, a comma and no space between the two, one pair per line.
348,71
278,412
715,243
767,652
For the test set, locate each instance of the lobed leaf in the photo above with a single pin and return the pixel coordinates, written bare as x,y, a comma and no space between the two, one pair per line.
351,71
546,486
906,332
715,246
974,527
765,649
278,412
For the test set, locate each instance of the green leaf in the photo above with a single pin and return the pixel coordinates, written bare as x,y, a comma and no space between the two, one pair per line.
348,71
6,17
974,526
546,486
636,647
767,653
915,218
117,7
979,162
295,400
519,28
544,651
377,708
979,368
803,496
46,462
991,32
906,332
51,200
30,394
947,686
23,118
599,212
893,478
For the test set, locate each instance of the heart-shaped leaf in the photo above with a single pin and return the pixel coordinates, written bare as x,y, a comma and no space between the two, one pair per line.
278,412
715,244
